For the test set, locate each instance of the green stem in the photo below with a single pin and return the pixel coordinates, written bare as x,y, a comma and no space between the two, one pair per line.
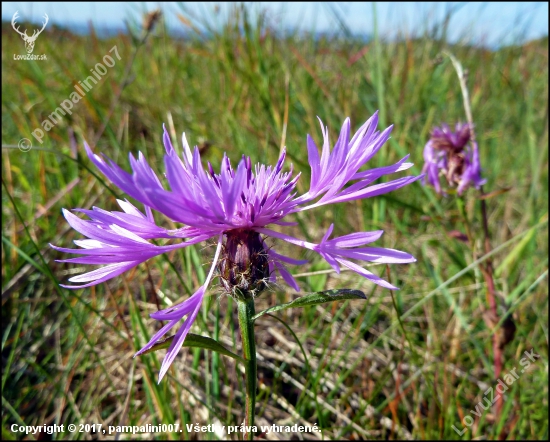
461,204
246,324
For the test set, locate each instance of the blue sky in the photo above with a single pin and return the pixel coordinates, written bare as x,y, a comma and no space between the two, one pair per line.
490,23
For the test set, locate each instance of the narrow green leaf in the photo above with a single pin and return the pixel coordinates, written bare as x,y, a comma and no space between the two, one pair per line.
316,298
494,193
23,255
514,256
196,341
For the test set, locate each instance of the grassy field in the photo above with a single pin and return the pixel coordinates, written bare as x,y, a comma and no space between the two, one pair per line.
244,89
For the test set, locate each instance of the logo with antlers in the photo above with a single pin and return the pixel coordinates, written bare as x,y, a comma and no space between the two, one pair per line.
29,41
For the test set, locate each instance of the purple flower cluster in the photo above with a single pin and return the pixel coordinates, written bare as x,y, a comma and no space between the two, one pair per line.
234,206
453,155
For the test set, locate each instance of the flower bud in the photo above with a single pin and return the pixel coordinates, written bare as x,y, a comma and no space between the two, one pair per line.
150,20
243,266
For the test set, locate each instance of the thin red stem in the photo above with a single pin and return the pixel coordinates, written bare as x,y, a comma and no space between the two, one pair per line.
486,269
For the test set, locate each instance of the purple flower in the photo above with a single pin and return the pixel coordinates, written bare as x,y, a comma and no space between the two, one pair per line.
453,155
234,207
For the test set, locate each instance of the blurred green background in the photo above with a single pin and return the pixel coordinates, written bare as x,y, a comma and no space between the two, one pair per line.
247,88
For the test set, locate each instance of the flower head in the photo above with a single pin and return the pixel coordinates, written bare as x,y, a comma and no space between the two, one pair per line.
235,207
453,155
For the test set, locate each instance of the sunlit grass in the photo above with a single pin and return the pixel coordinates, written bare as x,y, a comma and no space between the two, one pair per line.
67,356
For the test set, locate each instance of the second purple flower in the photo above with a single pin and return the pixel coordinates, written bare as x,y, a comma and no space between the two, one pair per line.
454,156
